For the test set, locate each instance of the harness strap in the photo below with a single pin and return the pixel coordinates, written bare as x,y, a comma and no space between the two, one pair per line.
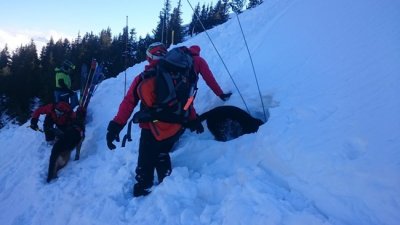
190,99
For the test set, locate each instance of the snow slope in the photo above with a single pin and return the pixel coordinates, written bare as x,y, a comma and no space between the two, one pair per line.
329,73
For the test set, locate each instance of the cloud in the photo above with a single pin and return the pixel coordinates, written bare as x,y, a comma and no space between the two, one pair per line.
15,39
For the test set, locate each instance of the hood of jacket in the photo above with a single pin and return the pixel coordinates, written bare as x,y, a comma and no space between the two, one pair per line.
195,49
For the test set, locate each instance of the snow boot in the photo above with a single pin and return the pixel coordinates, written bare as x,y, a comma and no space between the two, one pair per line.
139,190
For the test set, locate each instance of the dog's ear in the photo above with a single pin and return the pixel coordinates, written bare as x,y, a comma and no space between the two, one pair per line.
253,125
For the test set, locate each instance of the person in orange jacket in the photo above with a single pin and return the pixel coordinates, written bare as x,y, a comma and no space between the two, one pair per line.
153,153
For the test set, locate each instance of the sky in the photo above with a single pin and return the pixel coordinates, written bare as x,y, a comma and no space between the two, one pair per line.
21,20
328,155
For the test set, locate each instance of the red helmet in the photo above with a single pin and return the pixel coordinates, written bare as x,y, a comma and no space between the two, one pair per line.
156,50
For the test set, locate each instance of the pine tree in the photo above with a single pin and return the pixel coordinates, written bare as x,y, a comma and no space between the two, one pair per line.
46,76
237,6
5,62
24,81
142,45
105,40
209,23
195,26
204,16
254,3
224,11
160,33
132,48
129,49
219,14
118,49
175,25
5,58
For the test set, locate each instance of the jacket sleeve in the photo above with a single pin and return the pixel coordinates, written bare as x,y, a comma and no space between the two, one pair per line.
46,109
129,103
201,67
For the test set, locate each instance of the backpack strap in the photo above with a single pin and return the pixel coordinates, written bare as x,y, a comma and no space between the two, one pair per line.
148,73
191,98
144,75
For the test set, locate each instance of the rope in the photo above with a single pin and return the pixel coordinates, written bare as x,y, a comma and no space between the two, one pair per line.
252,65
126,54
226,68
164,24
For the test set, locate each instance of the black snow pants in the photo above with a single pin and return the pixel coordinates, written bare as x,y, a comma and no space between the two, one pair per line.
153,155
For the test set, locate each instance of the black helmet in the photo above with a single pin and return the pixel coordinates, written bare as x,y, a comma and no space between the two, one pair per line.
67,66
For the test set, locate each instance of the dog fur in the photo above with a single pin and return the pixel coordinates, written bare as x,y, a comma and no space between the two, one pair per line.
61,152
230,122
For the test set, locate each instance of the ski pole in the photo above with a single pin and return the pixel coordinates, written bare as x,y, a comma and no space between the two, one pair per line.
84,84
88,82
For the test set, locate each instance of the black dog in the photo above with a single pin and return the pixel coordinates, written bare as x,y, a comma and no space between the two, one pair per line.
230,122
61,152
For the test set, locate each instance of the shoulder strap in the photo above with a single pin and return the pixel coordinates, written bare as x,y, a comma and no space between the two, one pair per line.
148,73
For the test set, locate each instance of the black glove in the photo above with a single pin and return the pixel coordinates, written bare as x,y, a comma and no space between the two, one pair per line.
113,134
34,123
195,125
224,97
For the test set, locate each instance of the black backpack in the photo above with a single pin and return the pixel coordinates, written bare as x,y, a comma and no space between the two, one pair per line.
168,91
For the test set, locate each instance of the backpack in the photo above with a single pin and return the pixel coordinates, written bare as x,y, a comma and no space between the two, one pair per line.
167,92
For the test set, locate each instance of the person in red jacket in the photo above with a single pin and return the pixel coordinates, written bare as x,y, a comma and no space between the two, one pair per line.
201,67
153,153
69,130
59,114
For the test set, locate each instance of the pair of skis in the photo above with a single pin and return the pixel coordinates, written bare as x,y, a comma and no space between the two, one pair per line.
90,80
86,92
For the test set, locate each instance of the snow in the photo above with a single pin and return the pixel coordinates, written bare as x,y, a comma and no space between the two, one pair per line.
329,154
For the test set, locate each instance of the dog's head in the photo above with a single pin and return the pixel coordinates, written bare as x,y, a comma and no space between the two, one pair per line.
252,125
